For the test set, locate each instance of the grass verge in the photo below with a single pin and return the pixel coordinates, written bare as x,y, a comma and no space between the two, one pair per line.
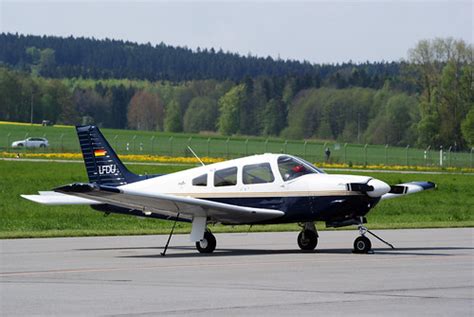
452,205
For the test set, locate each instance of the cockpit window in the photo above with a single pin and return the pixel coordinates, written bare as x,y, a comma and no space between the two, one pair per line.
291,168
226,177
200,180
257,174
316,169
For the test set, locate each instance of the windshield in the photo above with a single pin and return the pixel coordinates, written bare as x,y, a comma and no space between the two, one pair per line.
318,170
291,168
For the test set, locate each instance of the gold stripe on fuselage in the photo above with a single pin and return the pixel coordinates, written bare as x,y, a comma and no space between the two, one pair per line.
248,194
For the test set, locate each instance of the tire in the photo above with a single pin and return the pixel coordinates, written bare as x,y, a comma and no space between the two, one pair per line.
307,240
362,245
42,145
20,145
207,244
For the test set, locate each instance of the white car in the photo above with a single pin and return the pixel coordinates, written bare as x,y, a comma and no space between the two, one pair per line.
31,142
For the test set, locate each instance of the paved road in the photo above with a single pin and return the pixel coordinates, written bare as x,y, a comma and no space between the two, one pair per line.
257,274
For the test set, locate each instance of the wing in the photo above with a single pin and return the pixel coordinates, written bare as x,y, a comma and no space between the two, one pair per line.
170,205
408,188
54,198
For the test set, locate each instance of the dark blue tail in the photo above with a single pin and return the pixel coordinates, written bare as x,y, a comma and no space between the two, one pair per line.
102,163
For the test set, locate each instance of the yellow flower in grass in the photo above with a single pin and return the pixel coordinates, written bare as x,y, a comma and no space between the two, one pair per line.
210,160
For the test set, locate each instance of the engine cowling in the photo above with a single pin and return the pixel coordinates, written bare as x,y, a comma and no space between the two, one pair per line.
373,188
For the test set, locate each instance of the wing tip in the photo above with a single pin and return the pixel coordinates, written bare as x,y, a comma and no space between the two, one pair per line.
425,184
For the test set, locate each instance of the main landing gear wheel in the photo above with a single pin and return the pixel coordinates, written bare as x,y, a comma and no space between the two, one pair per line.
362,245
207,244
307,240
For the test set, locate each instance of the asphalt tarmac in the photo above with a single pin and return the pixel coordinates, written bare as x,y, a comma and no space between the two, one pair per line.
431,273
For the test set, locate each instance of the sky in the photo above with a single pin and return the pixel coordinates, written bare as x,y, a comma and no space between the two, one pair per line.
314,31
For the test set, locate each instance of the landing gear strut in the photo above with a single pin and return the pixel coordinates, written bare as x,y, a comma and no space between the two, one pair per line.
207,244
308,237
171,234
362,244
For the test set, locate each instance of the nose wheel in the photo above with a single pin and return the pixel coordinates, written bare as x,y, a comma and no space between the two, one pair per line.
362,245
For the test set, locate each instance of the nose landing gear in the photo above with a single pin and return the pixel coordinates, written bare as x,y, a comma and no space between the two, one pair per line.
362,244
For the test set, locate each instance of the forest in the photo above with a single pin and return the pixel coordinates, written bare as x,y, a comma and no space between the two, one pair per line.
427,99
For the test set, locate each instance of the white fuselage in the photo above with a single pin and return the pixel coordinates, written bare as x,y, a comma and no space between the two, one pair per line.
312,184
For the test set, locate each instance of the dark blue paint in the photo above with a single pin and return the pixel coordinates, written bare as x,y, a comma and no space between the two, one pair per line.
424,185
297,209
305,209
90,140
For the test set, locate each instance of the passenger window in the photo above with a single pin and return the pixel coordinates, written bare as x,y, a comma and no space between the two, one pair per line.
291,168
200,180
226,177
257,174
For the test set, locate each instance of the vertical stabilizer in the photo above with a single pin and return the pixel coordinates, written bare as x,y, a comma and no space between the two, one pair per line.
102,163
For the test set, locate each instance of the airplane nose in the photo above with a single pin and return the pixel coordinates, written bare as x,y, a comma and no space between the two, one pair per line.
380,188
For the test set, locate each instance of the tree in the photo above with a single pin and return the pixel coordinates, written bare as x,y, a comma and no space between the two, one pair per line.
42,61
90,103
47,62
467,128
63,103
174,117
10,95
145,111
120,98
229,108
439,66
275,117
399,120
349,134
324,131
450,106
248,119
201,115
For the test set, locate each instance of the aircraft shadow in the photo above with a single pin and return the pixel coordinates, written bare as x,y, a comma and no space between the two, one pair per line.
418,251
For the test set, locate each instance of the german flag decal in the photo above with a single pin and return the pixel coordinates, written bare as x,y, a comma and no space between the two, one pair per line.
100,152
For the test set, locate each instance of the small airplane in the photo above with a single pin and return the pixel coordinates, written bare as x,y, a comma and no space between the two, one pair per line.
257,189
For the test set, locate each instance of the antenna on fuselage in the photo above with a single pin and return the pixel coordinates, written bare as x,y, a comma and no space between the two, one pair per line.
195,155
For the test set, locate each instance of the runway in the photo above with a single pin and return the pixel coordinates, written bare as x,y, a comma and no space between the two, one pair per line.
258,274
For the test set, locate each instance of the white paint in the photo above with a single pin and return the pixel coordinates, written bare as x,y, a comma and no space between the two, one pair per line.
197,231
53,198
380,188
180,183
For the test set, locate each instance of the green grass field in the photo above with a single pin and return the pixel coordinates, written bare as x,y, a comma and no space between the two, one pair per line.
452,205
64,139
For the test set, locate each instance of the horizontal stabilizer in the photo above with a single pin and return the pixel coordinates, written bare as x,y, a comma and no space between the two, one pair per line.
408,188
54,198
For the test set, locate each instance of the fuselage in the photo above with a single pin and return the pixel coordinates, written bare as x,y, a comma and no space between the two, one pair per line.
274,181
